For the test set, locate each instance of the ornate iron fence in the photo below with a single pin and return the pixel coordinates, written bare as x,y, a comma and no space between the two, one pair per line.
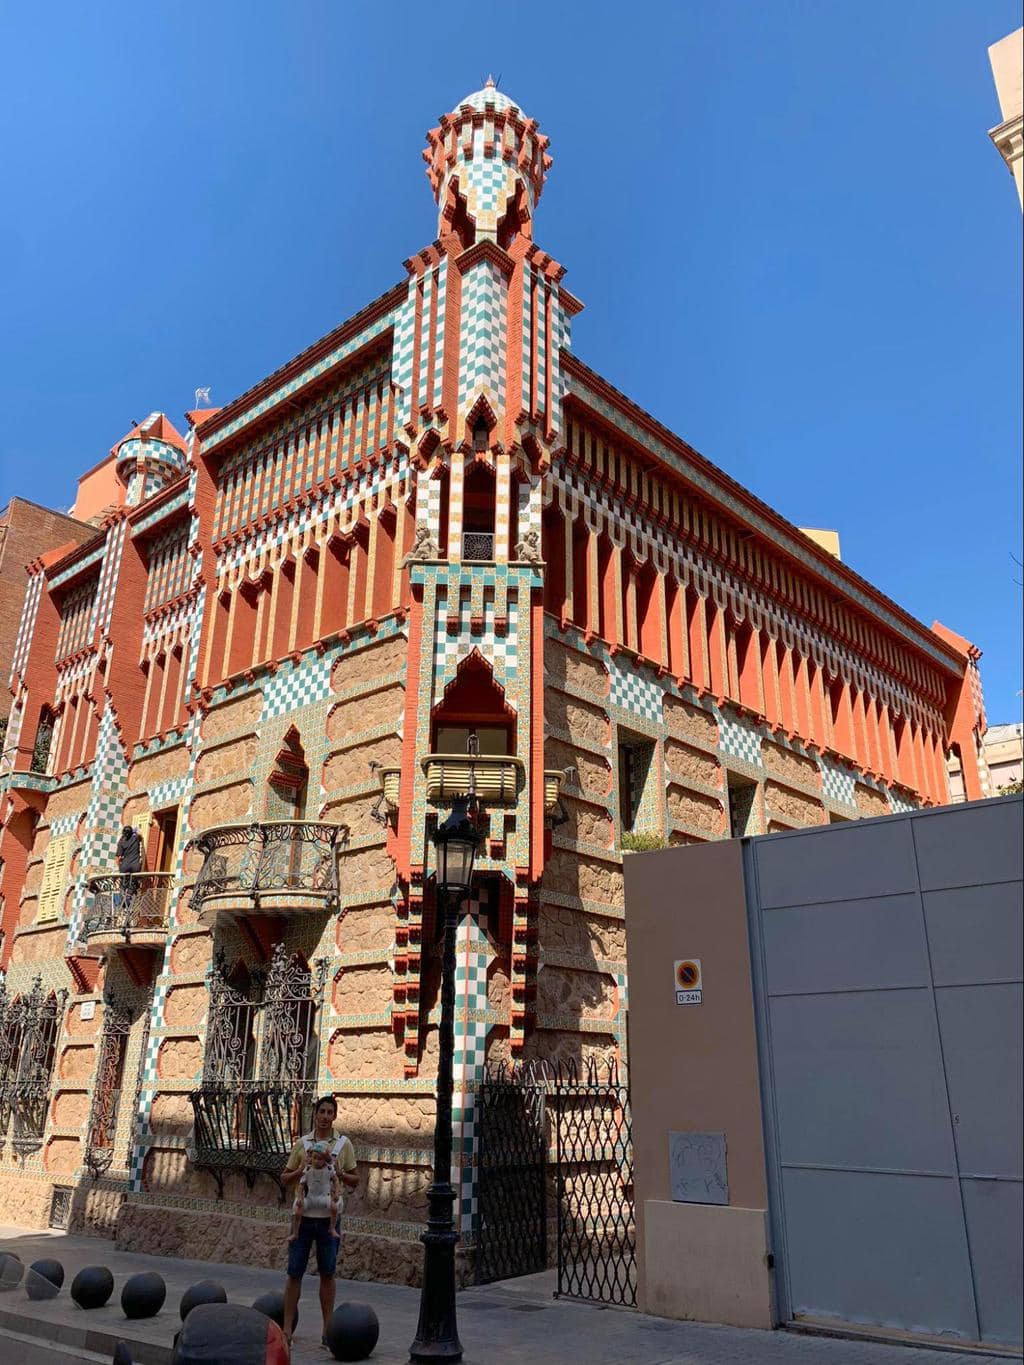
125,901
550,1129
259,1077
273,859
29,1028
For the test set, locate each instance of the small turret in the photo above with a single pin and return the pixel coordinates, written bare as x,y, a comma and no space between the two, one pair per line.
149,458
486,162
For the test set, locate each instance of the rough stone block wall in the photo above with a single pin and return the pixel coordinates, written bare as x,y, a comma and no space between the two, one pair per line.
581,943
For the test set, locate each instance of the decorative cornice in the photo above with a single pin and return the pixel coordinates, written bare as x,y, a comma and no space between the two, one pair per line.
680,459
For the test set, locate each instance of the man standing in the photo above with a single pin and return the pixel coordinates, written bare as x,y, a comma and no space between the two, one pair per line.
323,1231
129,854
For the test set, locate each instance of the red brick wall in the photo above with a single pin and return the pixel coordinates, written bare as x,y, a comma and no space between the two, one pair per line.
25,532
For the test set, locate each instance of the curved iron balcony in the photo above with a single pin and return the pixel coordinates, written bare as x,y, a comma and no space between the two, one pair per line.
495,778
279,867
127,910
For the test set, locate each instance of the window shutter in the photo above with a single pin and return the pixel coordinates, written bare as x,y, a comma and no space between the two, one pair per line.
141,823
55,868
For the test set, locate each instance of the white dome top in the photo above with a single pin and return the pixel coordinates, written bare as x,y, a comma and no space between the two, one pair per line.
489,97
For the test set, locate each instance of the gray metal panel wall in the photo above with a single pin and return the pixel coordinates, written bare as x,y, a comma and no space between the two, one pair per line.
887,967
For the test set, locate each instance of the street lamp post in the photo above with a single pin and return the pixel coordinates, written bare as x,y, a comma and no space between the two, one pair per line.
437,1335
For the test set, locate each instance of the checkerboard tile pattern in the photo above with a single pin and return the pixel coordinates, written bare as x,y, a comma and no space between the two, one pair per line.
501,651
483,339
296,685
472,955
345,506
631,691
168,509
150,1078
27,625
837,783
740,740
299,381
103,814
103,605
900,805
402,356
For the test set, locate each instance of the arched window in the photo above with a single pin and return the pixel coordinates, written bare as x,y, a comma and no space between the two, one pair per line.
478,507
43,740
29,1027
473,715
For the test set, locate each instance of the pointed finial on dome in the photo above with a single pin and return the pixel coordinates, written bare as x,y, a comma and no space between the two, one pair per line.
489,83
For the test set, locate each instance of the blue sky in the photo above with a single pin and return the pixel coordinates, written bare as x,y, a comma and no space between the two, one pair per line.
795,244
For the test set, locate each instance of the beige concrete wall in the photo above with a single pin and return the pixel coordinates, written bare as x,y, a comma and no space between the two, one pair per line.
694,1068
1007,58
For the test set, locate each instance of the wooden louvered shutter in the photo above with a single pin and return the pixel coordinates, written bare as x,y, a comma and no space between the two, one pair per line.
55,868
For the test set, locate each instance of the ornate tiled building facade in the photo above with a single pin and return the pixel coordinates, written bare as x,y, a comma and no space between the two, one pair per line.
433,553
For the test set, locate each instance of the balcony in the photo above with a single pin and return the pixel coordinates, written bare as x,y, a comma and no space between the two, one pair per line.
280,867
496,779
126,910
249,1127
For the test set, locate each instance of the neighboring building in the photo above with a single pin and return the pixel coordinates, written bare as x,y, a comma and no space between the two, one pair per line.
26,530
853,1067
434,531
1007,58
1002,756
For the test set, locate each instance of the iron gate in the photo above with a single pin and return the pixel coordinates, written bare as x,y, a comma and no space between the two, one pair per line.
547,1129
594,1176
511,1177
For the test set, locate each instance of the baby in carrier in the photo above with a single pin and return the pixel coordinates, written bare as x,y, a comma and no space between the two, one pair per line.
319,1190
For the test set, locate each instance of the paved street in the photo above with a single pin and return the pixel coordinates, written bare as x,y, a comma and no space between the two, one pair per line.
518,1323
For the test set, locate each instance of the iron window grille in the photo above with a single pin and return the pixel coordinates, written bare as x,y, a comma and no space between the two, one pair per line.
60,1206
29,1029
108,1088
261,1066
477,545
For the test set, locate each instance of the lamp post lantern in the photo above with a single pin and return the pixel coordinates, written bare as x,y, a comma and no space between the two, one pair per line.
437,1334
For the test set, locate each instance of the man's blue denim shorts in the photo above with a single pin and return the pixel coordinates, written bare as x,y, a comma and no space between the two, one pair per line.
320,1232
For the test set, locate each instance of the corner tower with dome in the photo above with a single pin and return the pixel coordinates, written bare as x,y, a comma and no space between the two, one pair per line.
433,554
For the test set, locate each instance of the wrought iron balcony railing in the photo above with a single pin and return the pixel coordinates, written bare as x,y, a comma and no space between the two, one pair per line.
495,778
127,909
249,1127
277,867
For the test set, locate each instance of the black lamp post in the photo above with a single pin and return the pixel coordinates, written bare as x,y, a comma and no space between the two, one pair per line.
437,1335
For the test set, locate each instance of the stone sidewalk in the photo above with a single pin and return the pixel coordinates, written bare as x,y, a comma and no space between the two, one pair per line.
516,1323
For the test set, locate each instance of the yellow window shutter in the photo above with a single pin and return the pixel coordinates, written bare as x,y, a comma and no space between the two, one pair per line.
142,823
55,868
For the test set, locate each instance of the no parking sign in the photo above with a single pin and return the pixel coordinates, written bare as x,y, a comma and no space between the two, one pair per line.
688,983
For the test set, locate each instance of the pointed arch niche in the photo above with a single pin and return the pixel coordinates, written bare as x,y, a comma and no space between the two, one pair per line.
288,780
473,703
